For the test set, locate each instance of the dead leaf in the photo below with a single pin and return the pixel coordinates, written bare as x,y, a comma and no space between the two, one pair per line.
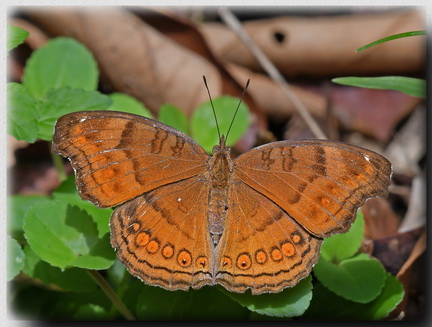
269,96
408,145
417,251
394,251
136,58
317,46
405,276
374,113
36,37
416,214
380,219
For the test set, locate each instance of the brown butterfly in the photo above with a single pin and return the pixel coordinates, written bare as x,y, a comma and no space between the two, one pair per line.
186,219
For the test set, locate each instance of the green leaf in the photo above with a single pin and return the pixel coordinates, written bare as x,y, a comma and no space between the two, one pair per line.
91,311
65,100
342,246
174,117
67,193
17,207
37,303
100,216
16,258
206,303
389,38
65,236
326,305
291,302
72,279
61,62
67,186
116,274
408,85
16,36
359,279
203,124
391,295
22,113
67,306
32,302
125,103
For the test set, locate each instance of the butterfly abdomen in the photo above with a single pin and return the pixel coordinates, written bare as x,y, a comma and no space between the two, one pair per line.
219,176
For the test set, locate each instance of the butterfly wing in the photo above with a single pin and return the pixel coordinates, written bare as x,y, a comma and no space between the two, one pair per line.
318,183
118,156
262,248
162,236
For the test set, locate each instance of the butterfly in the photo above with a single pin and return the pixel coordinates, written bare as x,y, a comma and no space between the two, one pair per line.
185,219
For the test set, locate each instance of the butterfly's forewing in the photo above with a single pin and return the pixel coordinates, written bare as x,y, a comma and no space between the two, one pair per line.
319,183
262,247
118,156
162,236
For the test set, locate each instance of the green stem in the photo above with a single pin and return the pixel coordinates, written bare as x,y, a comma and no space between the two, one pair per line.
58,163
103,284
121,289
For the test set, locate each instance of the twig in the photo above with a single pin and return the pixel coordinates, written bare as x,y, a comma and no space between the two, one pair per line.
268,66
111,294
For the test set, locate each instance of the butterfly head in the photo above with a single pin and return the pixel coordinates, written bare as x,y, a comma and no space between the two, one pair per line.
221,146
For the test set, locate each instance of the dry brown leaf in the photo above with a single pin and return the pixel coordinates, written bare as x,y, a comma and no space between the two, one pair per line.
409,144
394,251
296,128
372,112
36,37
317,46
269,96
416,213
417,251
183,31
406,276
16,59
136,58
380,219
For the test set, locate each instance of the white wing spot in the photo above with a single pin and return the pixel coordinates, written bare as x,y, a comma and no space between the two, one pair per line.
367,158
179,199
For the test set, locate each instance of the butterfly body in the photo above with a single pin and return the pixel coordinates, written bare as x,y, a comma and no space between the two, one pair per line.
184,219
220,172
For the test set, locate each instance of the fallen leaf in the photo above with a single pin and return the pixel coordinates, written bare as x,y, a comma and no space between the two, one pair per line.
268,95
136,58
380,219
394,251
374,113
317,46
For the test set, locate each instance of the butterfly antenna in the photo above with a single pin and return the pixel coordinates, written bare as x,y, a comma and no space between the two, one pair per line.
238,106
211,102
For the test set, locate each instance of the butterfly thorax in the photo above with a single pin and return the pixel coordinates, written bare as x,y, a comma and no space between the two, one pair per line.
220,167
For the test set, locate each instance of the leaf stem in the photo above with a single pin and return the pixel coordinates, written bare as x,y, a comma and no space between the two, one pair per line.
103,284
